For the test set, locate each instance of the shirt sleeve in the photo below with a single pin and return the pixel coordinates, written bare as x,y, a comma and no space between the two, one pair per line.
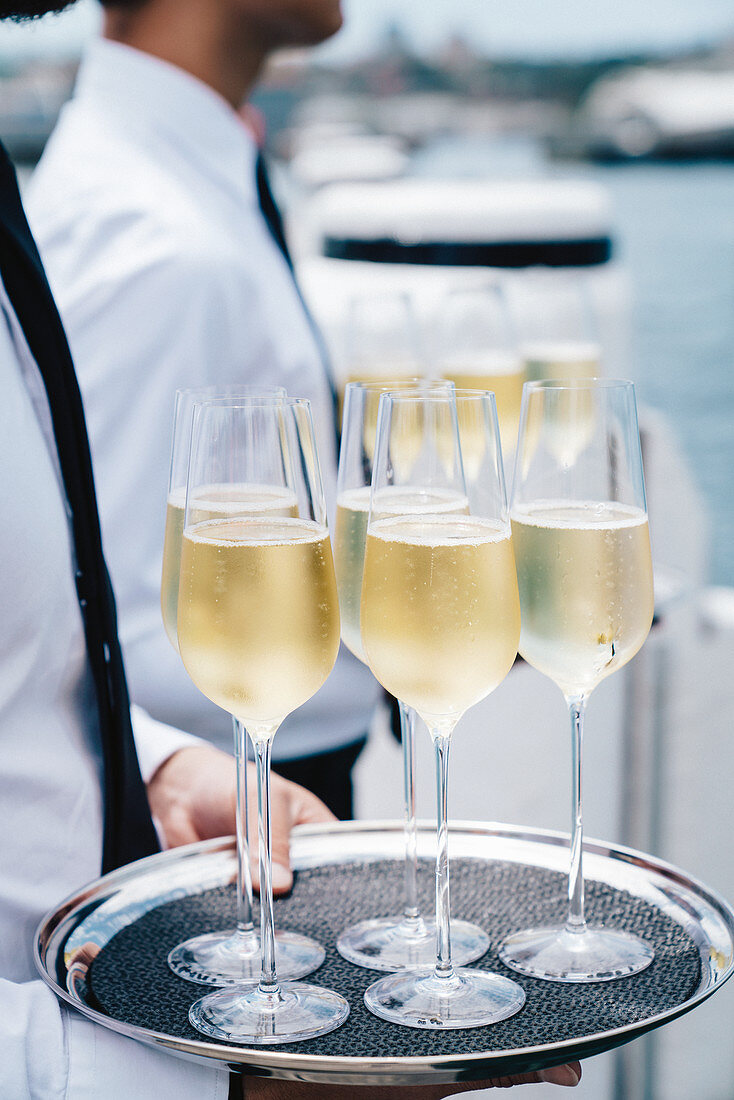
155,741
50,1052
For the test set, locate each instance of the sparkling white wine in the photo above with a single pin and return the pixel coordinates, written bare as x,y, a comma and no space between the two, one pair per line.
504,374
440,614
212,502
258,617
350,534
585,576
172,562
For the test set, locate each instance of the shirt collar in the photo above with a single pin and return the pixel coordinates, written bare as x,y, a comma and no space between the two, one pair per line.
144,90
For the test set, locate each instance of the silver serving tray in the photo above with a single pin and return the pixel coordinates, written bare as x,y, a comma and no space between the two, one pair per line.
99,910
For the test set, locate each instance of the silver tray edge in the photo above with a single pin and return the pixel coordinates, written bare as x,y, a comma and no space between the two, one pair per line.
441,1069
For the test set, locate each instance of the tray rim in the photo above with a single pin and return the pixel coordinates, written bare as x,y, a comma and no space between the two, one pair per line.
400,1070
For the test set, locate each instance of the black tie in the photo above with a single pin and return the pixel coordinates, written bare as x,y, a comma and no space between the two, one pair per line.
274,221
128,827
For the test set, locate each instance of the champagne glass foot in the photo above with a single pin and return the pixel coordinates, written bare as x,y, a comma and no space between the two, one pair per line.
294,1012
395,943
465,998
592,955
225,958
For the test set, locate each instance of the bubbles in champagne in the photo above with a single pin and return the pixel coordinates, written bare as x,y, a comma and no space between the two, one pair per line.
211,502
258,617
440,613
585,577
350,534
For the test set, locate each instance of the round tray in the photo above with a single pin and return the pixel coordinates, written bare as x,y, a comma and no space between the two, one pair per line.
688,913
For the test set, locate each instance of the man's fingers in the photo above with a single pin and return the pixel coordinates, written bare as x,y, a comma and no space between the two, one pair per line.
568,1075
562,1075
179,828
282,879
290,1090
308,809
285,799
85,955
290,805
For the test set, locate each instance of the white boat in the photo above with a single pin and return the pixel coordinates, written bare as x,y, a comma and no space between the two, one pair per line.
659,112
424,236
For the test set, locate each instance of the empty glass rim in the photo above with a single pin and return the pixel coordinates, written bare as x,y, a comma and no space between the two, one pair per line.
254,402
592,383
228,389
451,394
399,384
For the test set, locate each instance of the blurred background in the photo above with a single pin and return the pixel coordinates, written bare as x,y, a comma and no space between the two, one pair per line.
563,145
637,98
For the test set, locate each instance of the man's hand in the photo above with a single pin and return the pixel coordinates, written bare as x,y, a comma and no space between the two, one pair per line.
193,796
259,1089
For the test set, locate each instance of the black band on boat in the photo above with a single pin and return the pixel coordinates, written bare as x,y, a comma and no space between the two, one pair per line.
569,253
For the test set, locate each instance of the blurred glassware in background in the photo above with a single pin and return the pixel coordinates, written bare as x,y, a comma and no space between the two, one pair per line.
476,348
381,341
558,329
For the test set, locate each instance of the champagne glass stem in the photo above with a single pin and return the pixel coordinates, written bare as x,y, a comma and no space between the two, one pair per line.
262,742
245,927
407,731
444,969
575,921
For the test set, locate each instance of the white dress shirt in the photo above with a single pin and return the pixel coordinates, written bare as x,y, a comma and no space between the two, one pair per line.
145,210
50,772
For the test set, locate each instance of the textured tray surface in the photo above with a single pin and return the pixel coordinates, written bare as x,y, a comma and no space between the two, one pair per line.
130,979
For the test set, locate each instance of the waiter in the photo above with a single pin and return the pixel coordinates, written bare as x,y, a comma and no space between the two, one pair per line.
75,797
154,216
72,796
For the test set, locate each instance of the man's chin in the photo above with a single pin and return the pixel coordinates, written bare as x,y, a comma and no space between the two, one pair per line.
20,13
323,22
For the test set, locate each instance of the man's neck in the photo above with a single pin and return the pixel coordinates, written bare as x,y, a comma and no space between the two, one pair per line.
224,57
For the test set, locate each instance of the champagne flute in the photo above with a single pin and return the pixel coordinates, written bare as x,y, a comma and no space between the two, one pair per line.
183,412
559,339
440,622
258,633
477,349
585,575
230,955
381,340
557,325
394,942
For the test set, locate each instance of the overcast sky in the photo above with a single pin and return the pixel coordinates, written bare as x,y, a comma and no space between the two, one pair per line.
526,28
